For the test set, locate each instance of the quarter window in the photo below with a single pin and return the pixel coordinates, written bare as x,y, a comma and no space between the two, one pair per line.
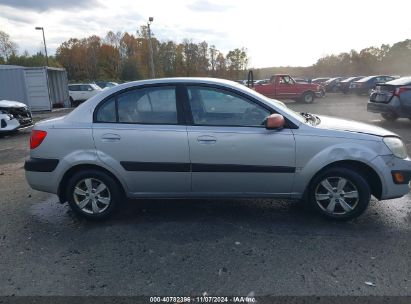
215,107
107,112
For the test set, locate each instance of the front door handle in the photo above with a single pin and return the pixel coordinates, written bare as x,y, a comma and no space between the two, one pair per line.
207,139
110,137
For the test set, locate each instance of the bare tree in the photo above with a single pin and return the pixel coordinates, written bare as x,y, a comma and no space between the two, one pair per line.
7,46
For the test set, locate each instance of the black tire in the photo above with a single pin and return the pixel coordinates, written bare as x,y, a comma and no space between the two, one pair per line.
389,116
71,102
113,188
355,182
308,97
322,94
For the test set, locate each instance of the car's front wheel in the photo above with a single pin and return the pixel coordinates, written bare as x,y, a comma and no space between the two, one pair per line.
339,193
93,194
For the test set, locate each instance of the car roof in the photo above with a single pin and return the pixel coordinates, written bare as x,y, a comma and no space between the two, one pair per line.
400,81
88,106
79,83
365,79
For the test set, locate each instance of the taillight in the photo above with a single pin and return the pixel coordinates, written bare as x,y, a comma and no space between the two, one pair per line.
37,137
400,90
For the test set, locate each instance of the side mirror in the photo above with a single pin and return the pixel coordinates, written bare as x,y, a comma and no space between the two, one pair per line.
274,122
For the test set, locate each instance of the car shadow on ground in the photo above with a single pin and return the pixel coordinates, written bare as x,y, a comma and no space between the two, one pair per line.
256,216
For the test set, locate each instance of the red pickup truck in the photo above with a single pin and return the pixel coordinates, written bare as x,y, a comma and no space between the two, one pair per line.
282,86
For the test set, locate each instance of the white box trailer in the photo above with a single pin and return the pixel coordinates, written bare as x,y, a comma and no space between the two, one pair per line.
41,88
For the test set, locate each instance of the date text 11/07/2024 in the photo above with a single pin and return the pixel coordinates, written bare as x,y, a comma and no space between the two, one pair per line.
203,299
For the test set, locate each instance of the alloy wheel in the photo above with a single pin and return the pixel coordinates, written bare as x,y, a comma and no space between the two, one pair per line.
336,195
92,196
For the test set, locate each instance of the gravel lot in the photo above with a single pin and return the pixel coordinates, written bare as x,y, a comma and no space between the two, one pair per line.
184,247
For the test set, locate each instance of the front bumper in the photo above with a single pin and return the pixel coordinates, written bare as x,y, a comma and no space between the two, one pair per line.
8,125
387,165
401,177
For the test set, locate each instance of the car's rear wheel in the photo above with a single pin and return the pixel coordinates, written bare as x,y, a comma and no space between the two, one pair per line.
389,116
93,194
339,193
308,97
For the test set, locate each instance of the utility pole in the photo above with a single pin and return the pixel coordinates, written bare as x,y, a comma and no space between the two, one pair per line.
45,46
153,75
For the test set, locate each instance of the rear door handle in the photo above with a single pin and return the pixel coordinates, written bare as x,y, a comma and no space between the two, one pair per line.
207,139
110,137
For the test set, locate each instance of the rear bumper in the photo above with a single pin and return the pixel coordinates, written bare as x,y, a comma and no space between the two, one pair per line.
379,107
360,91
40,164
41,174
393,106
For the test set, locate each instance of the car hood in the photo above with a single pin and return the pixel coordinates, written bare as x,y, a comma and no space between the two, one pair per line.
11,104
339,124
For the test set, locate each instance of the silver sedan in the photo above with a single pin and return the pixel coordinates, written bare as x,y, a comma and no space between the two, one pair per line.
205,138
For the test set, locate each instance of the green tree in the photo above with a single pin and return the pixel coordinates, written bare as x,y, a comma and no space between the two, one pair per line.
237,62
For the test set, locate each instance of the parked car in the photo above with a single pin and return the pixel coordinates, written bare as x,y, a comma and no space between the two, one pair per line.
14,115
392,99
320,80
106,84
365,85
80,92
345,84
283,86
203,137
331,85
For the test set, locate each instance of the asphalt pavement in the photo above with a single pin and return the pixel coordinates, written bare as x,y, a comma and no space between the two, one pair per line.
192,247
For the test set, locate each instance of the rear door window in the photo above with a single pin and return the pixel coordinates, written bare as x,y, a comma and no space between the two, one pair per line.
155,105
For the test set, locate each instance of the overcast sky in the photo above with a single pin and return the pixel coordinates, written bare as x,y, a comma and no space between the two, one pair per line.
287,32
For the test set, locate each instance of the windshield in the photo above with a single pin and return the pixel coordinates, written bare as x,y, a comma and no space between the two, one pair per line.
348,79
94,86
366,79
275,103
